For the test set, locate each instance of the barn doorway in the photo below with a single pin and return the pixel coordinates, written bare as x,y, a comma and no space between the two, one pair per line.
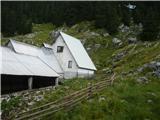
13,83
39,82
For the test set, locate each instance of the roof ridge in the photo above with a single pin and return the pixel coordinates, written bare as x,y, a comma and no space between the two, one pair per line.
70,36
23,43
70,42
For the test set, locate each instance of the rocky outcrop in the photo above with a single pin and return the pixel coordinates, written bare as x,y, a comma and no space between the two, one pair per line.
152,67
119,56
132,40
142,80
116,41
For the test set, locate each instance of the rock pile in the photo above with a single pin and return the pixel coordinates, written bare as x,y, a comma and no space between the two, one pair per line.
153,67
142,80
107,70
116,42
27,97
132,40
119,56
106,34
94,34
96,46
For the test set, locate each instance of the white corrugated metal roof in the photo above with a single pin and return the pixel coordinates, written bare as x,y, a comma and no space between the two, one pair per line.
47,45
78,51
10,65
24,48
47,55
19,64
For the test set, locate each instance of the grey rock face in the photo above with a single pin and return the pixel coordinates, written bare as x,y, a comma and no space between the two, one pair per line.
142,80
107,70
106,34
31,103
149,101
38,98
116,41
154,66
125,29
101,99
94,34
157,73
121,26
30,35
88,49
54,34
132,40
97,46
119,56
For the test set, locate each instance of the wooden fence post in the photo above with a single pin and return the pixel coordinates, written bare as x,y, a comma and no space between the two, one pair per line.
90,90
112,79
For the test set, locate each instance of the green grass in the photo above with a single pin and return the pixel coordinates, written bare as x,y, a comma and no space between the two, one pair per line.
40,34
126,100
138,57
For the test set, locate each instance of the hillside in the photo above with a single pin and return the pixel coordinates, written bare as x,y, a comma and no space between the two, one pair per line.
136,91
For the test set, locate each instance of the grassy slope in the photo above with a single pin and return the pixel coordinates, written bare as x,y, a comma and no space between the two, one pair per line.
127,99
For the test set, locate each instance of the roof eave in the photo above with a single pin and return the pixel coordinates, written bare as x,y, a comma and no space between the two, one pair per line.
88,68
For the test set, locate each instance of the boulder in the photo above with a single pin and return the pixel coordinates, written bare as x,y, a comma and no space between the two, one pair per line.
152,94
121,26
54,34
94,34
37,92
74,26
38,98
119,56
147,44
25,98
6,97
26,94
97,46
132,40
125,29
106,34
116,41
140,69
124,73
107,70
31,103
47,89
88,49
157,73
30,35
154,66
149,101
102,98
142,80
66,87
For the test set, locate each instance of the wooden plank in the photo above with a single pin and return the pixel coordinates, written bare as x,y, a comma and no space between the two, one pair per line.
42,115
52,103
112,78
67,101
41,111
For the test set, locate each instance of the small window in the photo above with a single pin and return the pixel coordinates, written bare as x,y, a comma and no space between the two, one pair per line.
69,64
59,49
